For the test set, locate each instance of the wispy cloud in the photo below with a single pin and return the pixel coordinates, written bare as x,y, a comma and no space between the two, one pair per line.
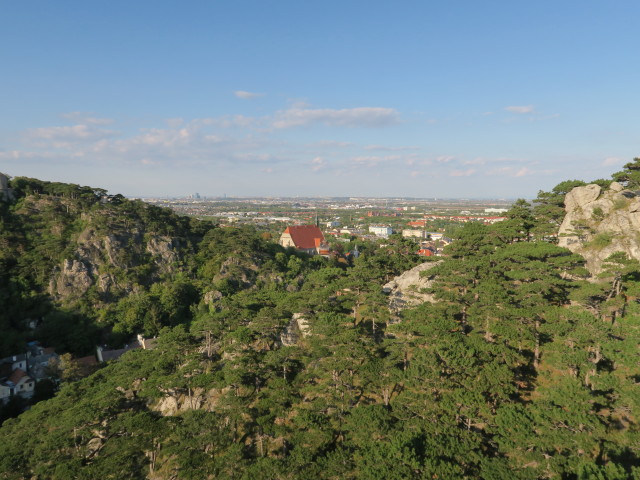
330,144
348,117
25,155
385,148
463,173
520,109
524,172
247,95
318,164
69,133
514,172
445,158
612,161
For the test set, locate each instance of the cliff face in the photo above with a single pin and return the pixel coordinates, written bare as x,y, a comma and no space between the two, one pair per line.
601,222
6,193
102,248
104,260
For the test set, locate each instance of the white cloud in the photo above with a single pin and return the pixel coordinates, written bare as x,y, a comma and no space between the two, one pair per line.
72,133
612,161
475,161
24,155
348,117
524,172
463,173
247,95
514,172
445,158
318,164
374,161
384,148
330,144
520,109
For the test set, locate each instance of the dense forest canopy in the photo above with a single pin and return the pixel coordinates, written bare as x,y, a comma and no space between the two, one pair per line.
274,364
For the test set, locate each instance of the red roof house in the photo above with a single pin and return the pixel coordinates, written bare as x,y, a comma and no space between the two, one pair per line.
23,384
306,238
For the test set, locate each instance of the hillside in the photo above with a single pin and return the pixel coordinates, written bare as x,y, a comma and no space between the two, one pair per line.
271,364
72,255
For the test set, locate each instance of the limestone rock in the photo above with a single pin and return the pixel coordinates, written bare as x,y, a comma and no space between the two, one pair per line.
298,328
163,251
212,296
598,223
406,290
103,255
616,187
106,282
73,280
6,193
174,402
581,196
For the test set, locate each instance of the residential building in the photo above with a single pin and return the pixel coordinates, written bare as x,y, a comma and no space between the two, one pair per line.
22,383
380,230
306,238
14,362
414,233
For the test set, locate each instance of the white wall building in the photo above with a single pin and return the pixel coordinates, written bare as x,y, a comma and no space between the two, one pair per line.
380,230
414,233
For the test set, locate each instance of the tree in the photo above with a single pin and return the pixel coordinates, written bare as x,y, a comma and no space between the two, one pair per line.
630,175
549,209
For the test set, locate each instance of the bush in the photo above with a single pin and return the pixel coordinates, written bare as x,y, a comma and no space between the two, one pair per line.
601,240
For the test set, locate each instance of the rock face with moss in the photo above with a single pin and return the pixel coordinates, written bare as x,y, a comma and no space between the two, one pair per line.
600,222
408,289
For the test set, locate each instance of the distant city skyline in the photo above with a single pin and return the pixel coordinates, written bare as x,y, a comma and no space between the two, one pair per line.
345,99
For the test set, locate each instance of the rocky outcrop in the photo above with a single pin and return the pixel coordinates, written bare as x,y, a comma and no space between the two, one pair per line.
240,271
298,328
175,402
162,250
72,281
407,289
98,258
6,194
601,222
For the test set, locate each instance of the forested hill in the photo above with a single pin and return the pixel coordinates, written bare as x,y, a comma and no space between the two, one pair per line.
75,263
275,365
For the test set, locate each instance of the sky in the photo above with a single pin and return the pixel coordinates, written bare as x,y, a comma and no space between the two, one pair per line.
448,99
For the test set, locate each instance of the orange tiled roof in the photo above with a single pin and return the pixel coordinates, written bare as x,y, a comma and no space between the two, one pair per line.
305,236
17,375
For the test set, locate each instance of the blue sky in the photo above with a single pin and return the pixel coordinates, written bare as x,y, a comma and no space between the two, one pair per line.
491,99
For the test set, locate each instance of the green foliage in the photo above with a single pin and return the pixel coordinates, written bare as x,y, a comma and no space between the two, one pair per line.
521,369
598,214
549,208
629,176
600,240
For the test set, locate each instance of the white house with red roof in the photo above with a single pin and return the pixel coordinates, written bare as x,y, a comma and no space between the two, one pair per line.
23,384
18,383
306,238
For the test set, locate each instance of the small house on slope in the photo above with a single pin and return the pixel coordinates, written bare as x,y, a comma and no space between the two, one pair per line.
306,238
